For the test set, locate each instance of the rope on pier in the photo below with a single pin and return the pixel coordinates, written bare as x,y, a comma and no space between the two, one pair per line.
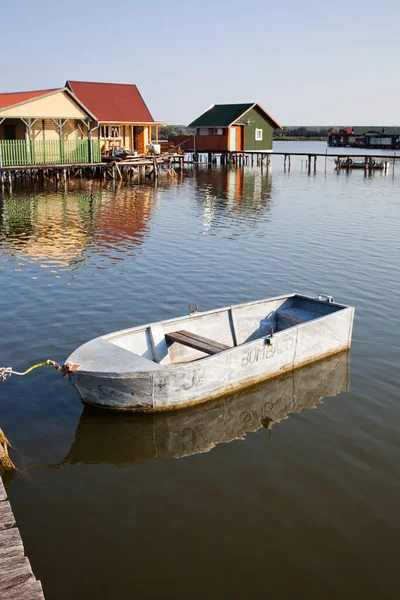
6,372
5,460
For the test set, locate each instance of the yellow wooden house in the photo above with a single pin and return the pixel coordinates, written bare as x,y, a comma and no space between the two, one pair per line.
125,121
46,127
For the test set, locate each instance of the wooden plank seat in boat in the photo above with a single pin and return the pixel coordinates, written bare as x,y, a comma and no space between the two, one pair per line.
195,341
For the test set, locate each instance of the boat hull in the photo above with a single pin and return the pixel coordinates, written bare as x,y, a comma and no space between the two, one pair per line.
191,383
125,439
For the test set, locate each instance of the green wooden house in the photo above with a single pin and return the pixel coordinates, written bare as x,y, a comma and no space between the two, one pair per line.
234,128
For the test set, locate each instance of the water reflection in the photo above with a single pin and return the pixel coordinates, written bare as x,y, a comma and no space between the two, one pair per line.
126,439
89,223
240,193
63,229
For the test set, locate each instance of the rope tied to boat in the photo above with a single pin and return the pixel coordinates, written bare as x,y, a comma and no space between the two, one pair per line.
6,372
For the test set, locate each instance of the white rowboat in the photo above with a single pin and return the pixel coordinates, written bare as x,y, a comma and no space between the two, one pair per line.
184,361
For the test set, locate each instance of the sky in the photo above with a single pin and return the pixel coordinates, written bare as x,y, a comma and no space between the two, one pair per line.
306,62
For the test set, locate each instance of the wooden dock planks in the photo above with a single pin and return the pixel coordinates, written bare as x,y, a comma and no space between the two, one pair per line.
17,581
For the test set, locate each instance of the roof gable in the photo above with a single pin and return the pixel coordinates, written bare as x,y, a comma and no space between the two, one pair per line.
11,99
57,103
224,115
112,102
221,115
274,124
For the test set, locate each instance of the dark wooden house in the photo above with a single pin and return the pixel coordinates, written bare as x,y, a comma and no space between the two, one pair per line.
234,128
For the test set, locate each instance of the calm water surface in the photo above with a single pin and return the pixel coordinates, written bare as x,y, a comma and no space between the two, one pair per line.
232,499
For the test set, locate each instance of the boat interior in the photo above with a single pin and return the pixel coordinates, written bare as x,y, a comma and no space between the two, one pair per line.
199,335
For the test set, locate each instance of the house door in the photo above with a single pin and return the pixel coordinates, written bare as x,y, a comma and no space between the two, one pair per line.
139,141
10,132
232,144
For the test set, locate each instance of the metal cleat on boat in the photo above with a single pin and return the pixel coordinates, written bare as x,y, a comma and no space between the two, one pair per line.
325,298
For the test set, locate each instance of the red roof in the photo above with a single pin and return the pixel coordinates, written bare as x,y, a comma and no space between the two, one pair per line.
112,102
17,97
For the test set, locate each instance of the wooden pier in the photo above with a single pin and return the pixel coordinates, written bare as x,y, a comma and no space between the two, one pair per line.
263,159
139,168
143,168
17,581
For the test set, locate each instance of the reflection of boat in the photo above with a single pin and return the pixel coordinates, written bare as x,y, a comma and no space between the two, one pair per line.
126,439
157,366
353,163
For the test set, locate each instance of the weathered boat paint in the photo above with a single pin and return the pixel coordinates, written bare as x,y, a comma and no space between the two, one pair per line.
135,369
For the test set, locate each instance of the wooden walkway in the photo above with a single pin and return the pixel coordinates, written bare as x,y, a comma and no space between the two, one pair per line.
17,581
262,159
142,167
341,155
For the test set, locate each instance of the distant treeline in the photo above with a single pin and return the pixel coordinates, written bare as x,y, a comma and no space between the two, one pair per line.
165,131
305,133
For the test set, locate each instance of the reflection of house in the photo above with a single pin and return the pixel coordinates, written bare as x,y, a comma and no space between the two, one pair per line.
238,192
45,127
234,185
125,120
47,231
125,219
57,233
234,128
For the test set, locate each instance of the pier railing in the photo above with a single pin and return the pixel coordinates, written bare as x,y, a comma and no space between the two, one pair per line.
48,152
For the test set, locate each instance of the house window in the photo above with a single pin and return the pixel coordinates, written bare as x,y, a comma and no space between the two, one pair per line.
259,133
203,131
10,132
218,131
110,132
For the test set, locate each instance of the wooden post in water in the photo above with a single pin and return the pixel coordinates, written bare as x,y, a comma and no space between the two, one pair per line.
315,163
309,164
155,167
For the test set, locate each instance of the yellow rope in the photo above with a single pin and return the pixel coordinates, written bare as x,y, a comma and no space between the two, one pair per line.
46,363
8,371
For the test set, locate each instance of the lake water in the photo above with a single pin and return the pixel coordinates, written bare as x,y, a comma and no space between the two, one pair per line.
232,499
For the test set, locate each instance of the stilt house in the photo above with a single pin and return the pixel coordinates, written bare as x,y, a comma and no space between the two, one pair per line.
234,128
